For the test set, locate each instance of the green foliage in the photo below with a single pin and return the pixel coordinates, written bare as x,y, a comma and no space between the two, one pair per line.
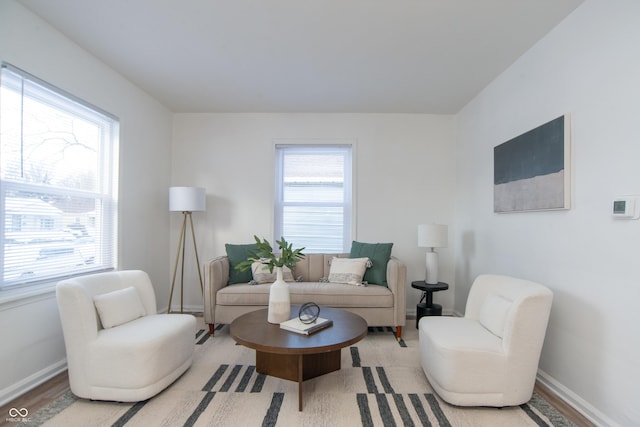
288,256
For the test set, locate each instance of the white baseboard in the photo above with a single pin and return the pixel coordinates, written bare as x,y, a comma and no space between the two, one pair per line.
575,401
16,390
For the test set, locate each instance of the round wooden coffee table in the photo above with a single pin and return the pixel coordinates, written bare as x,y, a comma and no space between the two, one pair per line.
296,357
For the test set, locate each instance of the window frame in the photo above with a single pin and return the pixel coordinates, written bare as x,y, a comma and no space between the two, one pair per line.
349,213
105,195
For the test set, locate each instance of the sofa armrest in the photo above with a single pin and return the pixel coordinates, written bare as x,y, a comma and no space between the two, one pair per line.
396,278
216,276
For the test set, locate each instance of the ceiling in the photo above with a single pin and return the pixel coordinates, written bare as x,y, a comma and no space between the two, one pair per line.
364,56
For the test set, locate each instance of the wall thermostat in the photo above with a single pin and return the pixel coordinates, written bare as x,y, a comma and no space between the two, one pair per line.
626,207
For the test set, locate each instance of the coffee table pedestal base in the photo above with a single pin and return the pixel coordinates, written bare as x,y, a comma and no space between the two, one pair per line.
297,367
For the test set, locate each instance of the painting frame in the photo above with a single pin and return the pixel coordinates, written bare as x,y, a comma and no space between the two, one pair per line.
532,171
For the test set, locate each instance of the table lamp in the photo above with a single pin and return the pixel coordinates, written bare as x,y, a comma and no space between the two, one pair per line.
432,236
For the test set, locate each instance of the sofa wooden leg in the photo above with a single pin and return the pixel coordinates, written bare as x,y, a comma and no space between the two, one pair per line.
398,333
211,328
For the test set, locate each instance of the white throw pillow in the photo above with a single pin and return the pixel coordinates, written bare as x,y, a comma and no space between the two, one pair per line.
493,314
260,273
118,307
348,270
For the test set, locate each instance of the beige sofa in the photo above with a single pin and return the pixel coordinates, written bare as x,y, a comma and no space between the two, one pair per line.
378,305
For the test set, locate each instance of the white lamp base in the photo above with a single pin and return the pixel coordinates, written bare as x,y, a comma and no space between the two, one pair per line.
432,267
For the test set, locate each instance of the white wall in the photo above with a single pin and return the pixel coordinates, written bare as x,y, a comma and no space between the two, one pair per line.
589,66
404,176
32,344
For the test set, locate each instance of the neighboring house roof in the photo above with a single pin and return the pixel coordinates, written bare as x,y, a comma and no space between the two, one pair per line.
30,206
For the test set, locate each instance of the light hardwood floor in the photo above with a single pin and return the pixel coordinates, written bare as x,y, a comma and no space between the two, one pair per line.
46,393
37,398
563,407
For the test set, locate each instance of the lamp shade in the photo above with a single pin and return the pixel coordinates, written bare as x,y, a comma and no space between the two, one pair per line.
187,199
433,236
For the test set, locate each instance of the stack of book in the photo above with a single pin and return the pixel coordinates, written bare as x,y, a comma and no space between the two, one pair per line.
295,325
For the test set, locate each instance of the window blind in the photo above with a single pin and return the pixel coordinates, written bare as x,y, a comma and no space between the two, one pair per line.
313,196
58,182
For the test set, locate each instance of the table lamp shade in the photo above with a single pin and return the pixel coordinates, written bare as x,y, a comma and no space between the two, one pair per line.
433,236
187,199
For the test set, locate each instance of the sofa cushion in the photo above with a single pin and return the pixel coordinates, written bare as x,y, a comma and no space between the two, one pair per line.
237,254
493,314
260,273
379,254
314,267
118,307
327,294
347,270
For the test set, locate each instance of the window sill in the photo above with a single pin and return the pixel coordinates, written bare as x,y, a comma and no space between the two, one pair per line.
12,298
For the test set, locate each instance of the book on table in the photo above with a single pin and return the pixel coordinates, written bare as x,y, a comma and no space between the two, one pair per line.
295,325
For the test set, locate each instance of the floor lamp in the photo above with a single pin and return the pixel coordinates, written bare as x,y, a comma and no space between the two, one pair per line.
185,200
432,236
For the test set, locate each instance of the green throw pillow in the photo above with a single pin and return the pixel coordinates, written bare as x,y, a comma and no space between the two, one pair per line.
237,254
379,254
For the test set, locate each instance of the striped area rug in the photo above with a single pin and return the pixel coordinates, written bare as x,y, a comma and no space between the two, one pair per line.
381,383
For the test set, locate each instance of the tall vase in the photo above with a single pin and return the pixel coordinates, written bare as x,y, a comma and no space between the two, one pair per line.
279,302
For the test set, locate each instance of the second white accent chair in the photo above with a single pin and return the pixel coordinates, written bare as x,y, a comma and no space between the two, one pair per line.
490,356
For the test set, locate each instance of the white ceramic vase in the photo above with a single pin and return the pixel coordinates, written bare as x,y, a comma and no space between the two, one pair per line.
279,301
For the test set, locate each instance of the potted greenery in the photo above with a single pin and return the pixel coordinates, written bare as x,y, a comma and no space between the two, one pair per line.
279,302
264,254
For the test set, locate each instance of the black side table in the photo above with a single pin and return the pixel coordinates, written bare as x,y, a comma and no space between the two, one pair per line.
428,308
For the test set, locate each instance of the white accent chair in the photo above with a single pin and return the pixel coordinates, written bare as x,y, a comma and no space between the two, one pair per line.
490,356
118,348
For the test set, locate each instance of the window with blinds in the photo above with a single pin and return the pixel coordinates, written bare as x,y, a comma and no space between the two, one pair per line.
58,183
313,202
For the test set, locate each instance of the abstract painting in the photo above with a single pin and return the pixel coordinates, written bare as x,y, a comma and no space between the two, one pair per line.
532,171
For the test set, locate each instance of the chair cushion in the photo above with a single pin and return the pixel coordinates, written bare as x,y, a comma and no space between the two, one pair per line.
379,254
140,352
460,354
493,313
347,270
118,307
